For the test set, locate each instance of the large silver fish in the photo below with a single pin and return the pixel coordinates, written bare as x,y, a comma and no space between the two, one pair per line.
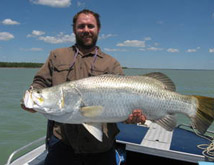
103,99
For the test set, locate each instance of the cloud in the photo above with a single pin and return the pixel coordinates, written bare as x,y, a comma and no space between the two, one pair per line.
81,4
211,50
156,44
147,38
132,43
59,39
142,45
154,49
193,50
9,21
36,33
142,49
36,49
105,36
32,49
114,50
172,50
5,36
53,3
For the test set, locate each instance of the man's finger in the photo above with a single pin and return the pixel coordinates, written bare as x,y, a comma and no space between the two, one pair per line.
27,109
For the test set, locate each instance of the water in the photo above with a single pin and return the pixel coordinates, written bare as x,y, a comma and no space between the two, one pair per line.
18,127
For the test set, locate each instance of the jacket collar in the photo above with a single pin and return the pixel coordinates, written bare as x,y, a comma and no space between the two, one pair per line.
99,52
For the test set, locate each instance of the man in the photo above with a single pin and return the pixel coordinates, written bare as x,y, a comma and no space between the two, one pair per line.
72,143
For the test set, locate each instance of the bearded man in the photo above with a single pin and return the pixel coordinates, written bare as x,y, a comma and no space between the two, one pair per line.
71,143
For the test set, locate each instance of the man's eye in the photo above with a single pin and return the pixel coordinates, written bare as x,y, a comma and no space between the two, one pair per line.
91,26
81,26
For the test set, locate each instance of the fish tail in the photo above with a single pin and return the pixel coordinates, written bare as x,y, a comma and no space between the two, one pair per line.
204,114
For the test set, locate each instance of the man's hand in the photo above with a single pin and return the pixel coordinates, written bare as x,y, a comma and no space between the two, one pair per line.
136,117
27,109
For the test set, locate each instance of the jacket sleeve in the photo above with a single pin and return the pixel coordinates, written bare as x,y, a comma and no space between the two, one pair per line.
43,77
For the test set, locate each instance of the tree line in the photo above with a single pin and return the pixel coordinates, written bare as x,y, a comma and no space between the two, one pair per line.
20,64
25,65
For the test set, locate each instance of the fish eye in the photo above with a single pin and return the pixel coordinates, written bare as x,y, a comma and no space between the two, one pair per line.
38,92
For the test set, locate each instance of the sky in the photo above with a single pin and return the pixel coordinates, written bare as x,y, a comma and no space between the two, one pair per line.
171,34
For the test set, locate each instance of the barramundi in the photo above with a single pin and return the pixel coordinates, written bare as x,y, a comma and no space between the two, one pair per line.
98,100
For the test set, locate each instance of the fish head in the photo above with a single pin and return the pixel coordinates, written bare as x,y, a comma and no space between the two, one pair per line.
48,100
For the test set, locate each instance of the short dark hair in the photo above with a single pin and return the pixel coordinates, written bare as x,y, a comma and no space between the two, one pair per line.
86,11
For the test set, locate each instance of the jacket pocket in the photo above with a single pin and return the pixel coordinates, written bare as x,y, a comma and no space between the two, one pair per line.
62,67
60,73
97,72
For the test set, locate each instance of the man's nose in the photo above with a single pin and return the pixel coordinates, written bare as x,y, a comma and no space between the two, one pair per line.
86,29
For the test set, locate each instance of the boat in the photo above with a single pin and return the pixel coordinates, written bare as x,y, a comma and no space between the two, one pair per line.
140,143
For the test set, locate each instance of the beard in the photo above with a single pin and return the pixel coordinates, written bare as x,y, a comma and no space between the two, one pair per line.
86,40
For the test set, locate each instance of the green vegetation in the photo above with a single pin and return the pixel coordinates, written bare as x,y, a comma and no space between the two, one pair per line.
24,65
20,65
124,67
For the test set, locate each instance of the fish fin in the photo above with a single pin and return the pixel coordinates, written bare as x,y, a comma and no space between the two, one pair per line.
61,103
205,113
95,129
167,82
168,122
105,129
91,111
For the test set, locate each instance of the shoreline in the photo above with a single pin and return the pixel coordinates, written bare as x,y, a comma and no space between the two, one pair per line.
39,65
122,67
20,65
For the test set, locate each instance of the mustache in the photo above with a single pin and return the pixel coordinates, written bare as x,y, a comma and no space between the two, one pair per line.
86,34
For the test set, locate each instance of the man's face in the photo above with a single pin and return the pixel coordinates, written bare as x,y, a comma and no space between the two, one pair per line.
86,31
